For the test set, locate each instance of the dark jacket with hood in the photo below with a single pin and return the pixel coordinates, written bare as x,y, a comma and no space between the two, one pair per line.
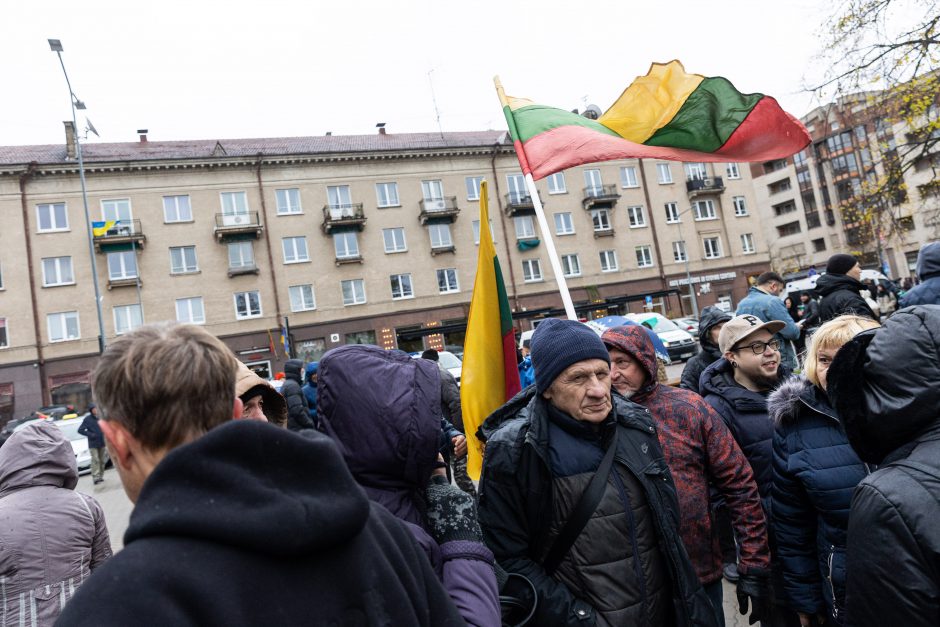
709,354
815,474
885,384
253,525
383,410
628,564
298,416
840,295
90,429
699,450
310,390
928,270
51,537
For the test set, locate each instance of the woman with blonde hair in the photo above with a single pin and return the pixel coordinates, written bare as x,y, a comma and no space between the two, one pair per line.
815,473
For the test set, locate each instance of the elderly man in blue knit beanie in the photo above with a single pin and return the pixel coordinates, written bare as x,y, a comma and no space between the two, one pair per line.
576,496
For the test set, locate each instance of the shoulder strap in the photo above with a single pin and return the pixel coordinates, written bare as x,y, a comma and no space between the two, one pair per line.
579,516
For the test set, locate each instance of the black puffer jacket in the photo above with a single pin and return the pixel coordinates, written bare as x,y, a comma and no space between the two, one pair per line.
298,416
709,354
886,387
840,295
928,270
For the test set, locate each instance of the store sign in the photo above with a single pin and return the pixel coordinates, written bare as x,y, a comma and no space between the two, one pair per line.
705,278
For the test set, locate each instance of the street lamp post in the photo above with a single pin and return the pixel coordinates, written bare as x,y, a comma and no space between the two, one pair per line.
688,274
56,46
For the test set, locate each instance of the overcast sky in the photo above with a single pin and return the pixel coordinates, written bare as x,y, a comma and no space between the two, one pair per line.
201,69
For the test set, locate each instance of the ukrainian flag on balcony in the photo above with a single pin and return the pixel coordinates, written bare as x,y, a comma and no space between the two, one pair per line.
100,229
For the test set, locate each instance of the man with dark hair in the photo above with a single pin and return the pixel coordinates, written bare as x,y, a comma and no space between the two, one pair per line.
90,429
841,288
763,301
298,414
237,522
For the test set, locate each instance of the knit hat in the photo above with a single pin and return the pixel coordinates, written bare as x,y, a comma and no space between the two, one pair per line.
556,344
840,263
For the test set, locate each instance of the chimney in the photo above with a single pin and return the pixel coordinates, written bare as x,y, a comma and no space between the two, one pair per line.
143,135
69,139
329,133
381,127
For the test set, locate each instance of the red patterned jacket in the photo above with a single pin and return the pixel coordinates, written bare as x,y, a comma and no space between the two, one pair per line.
699,450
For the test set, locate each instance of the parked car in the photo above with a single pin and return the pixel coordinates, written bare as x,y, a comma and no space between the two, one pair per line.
679,343
689,325
69,427
54,412
448,360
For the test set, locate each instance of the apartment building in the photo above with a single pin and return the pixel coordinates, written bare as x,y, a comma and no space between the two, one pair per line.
343,239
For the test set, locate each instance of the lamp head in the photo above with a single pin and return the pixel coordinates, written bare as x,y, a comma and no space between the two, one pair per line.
55,45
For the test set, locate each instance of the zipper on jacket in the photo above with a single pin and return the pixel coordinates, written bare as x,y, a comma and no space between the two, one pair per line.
832,585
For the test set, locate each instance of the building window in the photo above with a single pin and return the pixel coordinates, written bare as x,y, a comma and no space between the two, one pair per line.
608,260
57,271
664,173
52,217
338,196
354,291
440,236
593,184
473,187
401,286
116,210
695,171
819,245
564,225
177,209
183,259
476,232
346,245
62,326
190,310
712,247
447,281
556,183
790,228
127,318
644,257
780,186
570,265
241,255
784,208
747,243
4,334
637,217
394,240
525,227
234,203
601,220
301,297
295,249
531,270
122,265
517,188
386,195
704,209
432,190
247,305
678,252
740,207
732,171
628,176
288,201
672,212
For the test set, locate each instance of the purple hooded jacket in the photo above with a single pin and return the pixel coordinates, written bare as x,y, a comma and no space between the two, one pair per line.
383,410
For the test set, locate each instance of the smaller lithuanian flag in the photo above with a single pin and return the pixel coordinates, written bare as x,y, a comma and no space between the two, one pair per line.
101,229
489,376
667,114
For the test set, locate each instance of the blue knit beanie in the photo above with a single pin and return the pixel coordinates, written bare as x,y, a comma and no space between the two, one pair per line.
556,344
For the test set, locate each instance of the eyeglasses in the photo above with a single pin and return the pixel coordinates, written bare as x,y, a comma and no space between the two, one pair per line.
759,347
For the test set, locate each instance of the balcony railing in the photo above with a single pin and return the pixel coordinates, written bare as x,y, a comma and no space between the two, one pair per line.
121,232
244,268
707,185
237,224
348,215
518,203
438,209
596,194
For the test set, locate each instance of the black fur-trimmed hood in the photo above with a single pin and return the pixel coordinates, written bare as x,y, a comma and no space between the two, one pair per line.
783,404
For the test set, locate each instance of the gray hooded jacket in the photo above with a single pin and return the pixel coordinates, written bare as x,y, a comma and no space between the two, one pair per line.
51,537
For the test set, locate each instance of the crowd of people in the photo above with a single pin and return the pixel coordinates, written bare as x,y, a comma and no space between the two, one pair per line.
607,496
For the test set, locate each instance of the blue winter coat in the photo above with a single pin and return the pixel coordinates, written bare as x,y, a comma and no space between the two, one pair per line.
815,474
768,307
526,372
928,270
310,390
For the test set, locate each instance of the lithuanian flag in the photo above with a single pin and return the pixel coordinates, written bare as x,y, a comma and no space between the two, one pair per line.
667,114
489,376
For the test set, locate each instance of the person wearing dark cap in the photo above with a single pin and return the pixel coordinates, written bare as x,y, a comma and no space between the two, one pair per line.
709,325
99,456
840,289
576,495
928,271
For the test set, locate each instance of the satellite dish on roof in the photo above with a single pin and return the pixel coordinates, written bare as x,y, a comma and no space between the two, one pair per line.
90,128
592,112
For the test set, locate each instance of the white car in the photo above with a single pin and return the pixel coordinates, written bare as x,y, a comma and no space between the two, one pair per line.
680,344
447,359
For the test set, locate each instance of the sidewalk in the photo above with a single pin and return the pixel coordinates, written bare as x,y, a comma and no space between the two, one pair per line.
732,617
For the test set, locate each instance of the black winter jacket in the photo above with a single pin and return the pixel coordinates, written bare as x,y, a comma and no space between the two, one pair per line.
840,295
298,415
886,386
709,354
253,525
517,500
928,271
815,474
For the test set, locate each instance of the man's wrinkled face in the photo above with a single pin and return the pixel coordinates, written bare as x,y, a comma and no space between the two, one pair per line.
762,367
626,374
582,391
254,409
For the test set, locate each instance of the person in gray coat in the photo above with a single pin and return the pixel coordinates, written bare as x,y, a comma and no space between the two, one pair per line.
51,537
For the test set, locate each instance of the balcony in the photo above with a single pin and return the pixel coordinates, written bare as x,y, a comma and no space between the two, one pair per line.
237,226
600,195
437,250
707,185
438,210
608,232
245,268
122,232
343,217
519,204
349,258
127,281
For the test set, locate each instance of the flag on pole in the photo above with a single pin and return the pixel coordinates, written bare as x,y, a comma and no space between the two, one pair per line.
271,343
489,376
100,229
667,114
285,341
